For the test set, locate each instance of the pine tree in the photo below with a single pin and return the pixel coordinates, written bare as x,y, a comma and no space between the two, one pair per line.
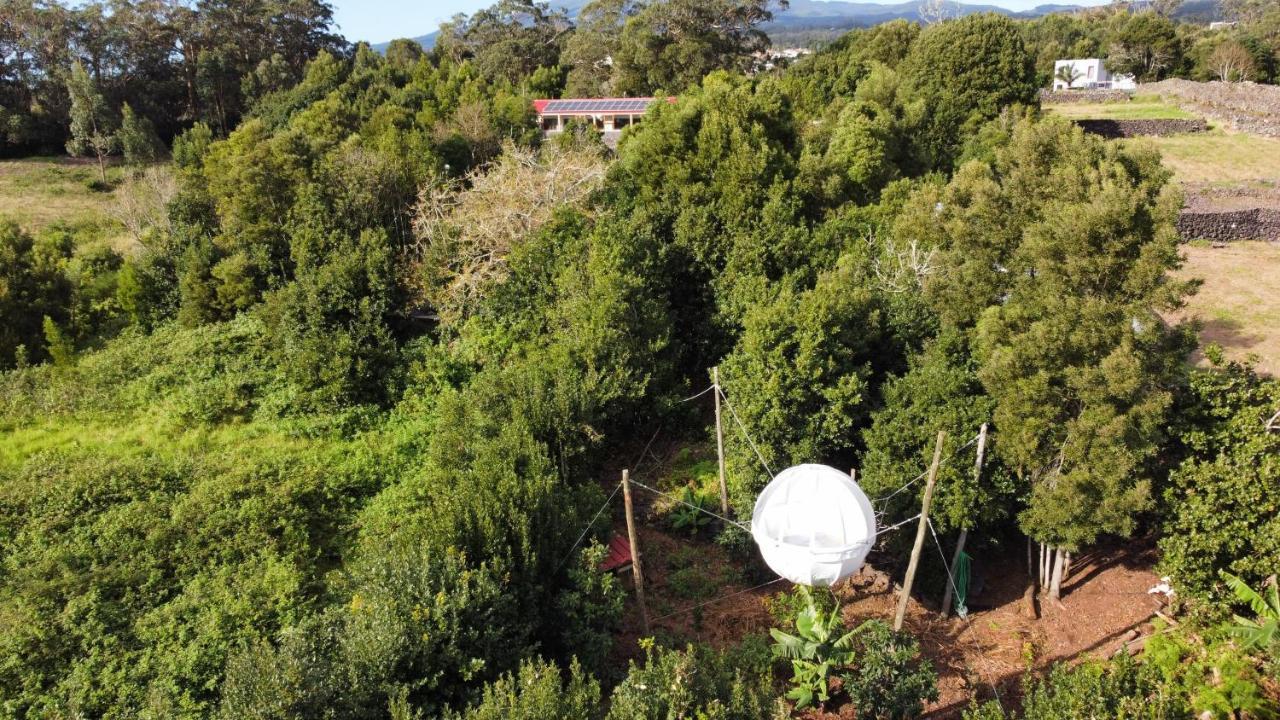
138,139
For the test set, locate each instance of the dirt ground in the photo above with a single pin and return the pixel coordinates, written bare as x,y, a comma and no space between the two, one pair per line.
1238,305
1105,602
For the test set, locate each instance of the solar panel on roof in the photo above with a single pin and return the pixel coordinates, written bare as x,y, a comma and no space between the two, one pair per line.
602,105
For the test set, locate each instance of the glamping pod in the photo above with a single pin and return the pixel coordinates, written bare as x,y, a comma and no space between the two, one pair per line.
814,525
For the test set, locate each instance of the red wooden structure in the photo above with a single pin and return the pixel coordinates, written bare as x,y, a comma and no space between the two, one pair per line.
619,554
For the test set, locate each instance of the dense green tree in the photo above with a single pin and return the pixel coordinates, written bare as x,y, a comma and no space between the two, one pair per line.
965,72
804,373
138,139
1071,348
671,45
508,40
590,50
1147,46
941,391
328,329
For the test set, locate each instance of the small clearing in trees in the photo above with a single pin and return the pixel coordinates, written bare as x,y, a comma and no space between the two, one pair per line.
1104,604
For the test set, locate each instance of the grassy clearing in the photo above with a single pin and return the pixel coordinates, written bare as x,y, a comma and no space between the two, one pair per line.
37,192
1219,156
1140,108
1239,303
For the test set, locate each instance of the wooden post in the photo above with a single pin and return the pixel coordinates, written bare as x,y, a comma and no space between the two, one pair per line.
724,489
636,571
964,532
924,522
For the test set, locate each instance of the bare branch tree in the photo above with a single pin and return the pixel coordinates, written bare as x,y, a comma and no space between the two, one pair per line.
465,231
1231,62
933,11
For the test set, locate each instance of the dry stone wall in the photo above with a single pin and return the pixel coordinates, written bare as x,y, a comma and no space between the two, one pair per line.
1245,106
1054,97
1228,225
1136,128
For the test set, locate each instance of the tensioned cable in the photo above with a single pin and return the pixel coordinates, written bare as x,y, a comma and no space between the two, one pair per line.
745,434
586,529
636,465
698,395
918,478
757,587
942,555
716,600
690,505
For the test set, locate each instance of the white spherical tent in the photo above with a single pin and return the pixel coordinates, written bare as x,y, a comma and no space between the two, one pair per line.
814,525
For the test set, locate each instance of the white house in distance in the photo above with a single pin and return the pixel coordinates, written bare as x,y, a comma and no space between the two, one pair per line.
609,115
1090,73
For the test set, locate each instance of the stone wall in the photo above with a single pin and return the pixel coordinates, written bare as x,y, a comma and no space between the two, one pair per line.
1251,224
1051,97
1245,106
1136,128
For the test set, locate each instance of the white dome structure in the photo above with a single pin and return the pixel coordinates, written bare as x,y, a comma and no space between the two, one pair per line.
814,525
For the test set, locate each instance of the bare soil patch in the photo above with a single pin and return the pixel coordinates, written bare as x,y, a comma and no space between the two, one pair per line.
1238,305
1105,602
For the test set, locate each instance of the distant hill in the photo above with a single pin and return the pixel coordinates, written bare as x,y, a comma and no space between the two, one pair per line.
837,15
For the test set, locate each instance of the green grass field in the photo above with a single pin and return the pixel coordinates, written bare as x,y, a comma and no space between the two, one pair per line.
39,191
1140,108
1220,157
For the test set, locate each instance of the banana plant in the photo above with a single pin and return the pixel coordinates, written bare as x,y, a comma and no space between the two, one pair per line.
691,515
1263,632
817,649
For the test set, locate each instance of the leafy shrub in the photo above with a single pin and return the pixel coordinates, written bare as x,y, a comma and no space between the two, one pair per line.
888,677
1208,673
590,609
1112,689
699,682
429,622
1222,503
538,692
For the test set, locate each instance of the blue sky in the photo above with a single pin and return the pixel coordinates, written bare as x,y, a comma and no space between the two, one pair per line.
380,20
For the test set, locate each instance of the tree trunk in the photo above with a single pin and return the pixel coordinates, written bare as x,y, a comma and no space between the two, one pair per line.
1055,579
1044,566
102,168
946,595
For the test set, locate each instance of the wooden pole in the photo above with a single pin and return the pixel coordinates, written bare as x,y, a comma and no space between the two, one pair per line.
636,570
924,522
964,532
724,489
